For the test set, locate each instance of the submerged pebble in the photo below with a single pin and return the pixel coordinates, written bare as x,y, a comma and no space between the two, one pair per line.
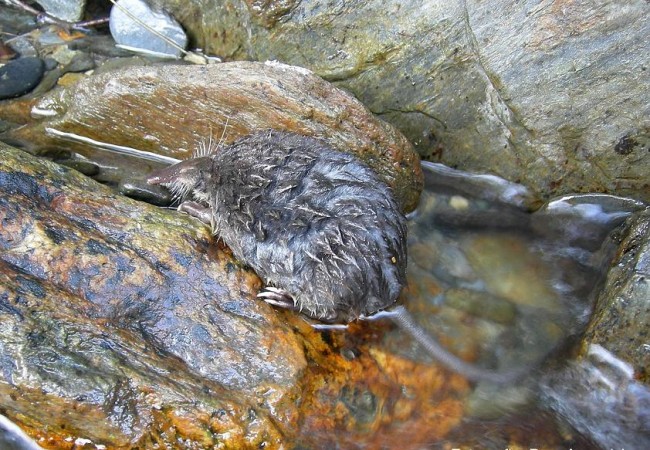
20,76
481,304
86,167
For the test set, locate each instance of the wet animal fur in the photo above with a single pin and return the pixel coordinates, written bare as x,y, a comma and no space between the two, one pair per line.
314,222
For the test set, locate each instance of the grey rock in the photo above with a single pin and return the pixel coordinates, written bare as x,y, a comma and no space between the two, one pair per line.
553,96
170,109
488,187
620,320
584,219
599,397
131,34
13,438
15,21
23,46
50,63
80,62
20,76
68,10
86,167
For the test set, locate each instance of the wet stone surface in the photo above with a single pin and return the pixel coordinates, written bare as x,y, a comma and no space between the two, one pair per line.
550,95
621,320
95,316
20,76
96,285
599,397
128,32
173,109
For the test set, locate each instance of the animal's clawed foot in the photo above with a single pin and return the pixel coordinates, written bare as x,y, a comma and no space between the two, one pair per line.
277,297
194,209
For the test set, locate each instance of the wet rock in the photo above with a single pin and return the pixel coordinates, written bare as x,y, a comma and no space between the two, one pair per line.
554,97
20,76
68,10
445,180
130,34
138,189
86,167
599,397
102,45
80,62
50,63
172,109
6,52
127,326
15,21
584,220
13,438
131,319
620,320
23,46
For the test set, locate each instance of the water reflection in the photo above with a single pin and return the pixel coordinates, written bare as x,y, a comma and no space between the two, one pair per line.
506,289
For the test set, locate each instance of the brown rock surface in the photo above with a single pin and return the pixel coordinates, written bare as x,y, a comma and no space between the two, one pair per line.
130,319
128,325
170,109
550,94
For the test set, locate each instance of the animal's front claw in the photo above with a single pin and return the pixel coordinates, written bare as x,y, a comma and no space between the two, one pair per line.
277,297
194,209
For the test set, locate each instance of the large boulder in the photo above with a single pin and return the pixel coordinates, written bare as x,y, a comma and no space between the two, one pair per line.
550,95
173,109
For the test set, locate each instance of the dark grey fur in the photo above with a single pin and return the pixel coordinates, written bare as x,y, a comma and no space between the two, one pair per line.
316,223
317,226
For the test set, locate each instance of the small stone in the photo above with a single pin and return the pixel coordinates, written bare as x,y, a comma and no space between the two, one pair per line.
88,168
68,10
481,304
458,202
80,62
63,55
20,76
132,35
69,79
50,63
23,46
511,270
139,189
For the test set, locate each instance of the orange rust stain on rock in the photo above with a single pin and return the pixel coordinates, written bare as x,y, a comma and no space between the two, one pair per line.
356,393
